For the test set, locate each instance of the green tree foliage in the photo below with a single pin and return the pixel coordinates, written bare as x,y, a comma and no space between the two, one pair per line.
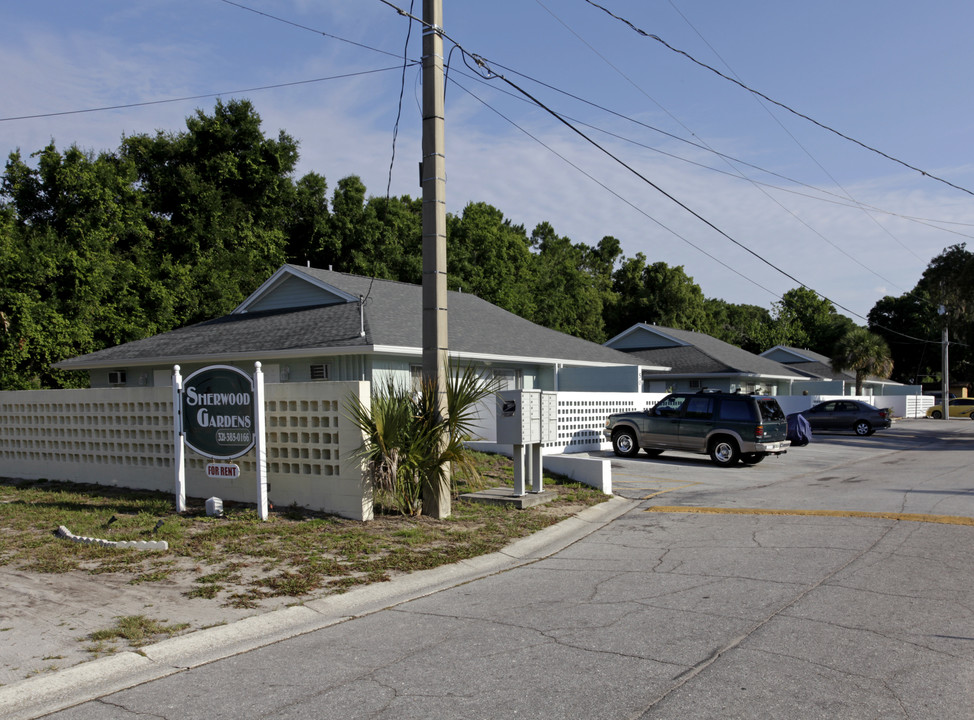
911,327
806,320
747,326
490,257
72,279
656,294
172,228
568,295
222,201
863,352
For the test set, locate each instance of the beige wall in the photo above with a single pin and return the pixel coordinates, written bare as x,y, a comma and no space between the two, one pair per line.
124,437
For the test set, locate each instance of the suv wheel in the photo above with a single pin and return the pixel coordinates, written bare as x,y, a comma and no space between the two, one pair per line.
724,452
863,428
624,443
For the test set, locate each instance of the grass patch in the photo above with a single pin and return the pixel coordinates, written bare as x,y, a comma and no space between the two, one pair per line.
237,559
136,630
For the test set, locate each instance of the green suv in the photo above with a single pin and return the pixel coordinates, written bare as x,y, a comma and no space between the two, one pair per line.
731,427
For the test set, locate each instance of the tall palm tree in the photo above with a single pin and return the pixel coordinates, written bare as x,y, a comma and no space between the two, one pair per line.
865,353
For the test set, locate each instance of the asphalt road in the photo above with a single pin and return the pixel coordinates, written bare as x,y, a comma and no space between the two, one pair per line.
835,582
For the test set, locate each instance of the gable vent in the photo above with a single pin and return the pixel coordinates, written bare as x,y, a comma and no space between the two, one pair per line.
319,372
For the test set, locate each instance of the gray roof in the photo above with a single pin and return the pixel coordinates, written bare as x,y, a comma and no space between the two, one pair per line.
702,354
392,320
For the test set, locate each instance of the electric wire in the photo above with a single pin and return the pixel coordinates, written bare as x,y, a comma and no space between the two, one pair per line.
309,29
837,199
402,92
198,97
605,187
805,150
782,105
739,172
483,65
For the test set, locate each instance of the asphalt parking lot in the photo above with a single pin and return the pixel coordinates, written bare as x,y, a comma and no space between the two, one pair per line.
916,466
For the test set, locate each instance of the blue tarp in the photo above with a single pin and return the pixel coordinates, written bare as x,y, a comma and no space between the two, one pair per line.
799,431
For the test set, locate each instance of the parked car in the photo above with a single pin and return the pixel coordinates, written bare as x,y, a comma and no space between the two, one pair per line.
855,415
729,426
959,408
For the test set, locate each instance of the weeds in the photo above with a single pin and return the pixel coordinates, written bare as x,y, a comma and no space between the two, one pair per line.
237,560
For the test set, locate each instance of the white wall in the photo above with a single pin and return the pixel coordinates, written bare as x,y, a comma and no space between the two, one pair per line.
124,437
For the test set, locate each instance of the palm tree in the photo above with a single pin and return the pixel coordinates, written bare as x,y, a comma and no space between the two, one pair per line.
409,446
864,352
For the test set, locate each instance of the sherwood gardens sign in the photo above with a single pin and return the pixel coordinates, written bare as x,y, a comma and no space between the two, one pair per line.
219,413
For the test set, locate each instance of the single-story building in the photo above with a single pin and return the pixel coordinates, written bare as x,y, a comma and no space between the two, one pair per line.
825,380
696,361
306,324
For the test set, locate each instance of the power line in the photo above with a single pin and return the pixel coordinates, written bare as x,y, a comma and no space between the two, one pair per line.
736,170
198,97
783,106
309,29
842,200
483,65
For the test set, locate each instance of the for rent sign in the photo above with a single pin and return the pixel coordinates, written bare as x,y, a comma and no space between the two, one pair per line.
217,406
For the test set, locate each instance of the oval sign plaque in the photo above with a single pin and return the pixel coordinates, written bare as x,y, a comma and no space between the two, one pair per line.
218,412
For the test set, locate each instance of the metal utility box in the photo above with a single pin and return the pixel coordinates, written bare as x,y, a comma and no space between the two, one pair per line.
519,417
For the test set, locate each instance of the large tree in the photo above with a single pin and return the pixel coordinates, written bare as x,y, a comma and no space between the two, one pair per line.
810,321
656,294
72,277
222,199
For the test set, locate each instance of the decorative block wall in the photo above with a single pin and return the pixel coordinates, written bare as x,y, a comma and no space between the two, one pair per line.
124,437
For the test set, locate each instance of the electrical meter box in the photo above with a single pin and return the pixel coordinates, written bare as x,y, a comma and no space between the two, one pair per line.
519,417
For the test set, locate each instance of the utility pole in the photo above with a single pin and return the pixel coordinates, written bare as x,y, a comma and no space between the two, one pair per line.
436,499
945,383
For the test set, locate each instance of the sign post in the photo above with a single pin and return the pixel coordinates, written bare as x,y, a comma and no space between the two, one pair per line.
260,445
177,389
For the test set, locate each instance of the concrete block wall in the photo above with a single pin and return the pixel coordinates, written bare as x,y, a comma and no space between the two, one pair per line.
125,437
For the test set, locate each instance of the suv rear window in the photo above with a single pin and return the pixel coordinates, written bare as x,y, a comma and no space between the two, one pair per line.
771,410
736,409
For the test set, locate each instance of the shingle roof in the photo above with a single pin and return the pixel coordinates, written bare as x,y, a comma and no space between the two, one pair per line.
392,318
704,354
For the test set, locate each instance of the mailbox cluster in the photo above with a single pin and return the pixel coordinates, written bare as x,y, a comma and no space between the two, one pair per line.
527,419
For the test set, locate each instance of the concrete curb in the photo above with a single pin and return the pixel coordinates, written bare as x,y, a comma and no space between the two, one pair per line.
34,697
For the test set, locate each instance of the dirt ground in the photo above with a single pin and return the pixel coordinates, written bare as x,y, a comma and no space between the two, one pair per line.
45,618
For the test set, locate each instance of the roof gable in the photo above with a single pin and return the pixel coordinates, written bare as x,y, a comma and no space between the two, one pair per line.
692,352
644,337
291,288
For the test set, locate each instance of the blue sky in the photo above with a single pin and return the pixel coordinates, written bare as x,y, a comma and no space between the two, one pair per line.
839,218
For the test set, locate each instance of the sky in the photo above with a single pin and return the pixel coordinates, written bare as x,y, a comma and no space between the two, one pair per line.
631,132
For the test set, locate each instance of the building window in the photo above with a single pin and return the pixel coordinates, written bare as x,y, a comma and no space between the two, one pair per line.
508,379
319,372
694,384
116,377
